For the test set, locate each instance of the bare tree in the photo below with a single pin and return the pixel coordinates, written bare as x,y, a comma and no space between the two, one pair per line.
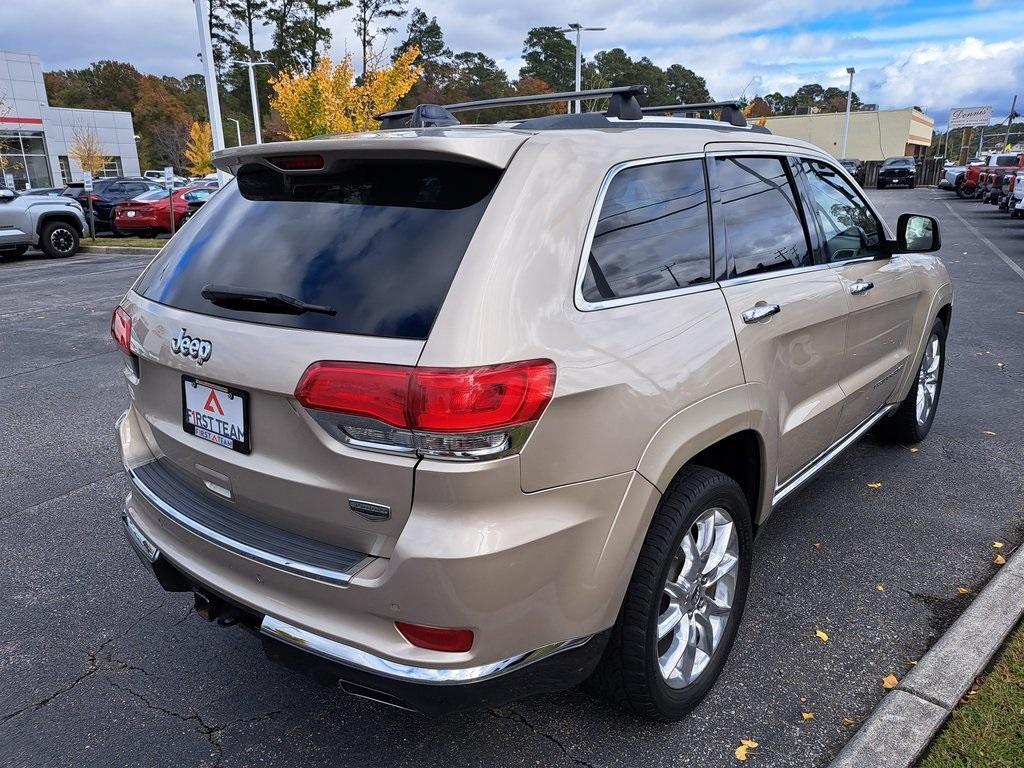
169,140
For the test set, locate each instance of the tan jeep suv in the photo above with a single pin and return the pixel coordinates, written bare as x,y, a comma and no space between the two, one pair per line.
459,414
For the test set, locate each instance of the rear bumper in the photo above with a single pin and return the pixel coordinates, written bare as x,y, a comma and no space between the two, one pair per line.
429,690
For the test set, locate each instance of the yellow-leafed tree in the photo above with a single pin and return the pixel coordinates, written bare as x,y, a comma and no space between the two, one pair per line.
328,100
199,150
87,151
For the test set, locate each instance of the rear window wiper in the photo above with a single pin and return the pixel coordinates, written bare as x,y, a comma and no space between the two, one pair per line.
252,300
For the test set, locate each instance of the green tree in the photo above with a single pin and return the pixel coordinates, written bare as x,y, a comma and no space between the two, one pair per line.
373,18
223,28
477,76
436,60
249,16
686,86
549,56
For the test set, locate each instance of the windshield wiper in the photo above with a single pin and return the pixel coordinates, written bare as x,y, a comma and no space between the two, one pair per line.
252,300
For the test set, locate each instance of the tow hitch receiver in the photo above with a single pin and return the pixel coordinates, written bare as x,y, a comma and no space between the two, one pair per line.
213,608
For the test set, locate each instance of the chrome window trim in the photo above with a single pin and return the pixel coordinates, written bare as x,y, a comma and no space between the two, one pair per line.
348,655
240,548
581,267
760,276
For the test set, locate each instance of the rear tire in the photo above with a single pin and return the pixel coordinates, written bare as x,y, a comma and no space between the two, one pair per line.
879,185
913,419
59,240
689,587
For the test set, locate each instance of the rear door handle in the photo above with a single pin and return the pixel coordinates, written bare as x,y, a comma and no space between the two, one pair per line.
760,311
861,286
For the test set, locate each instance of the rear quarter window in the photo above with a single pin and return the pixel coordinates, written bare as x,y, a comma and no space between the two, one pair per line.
379,242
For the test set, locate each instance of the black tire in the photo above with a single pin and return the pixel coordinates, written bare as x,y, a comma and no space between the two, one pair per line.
59,240
913,184
15,252
904,426
879,185
628,673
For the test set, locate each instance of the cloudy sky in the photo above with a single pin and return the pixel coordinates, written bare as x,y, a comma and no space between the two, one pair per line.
932,53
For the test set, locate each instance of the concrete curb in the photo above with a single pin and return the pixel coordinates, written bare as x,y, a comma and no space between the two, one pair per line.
127,250
907,719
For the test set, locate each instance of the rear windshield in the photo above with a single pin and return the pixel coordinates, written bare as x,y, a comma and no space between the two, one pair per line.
147,197
378,242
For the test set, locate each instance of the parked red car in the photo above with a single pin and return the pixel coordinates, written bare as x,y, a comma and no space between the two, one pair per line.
149,214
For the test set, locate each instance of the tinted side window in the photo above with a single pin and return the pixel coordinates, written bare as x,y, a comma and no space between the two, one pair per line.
652,232
850,229
763,228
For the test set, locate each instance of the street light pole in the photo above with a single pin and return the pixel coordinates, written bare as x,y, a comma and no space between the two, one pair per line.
849,101
210,74
238,130
579,29
252,92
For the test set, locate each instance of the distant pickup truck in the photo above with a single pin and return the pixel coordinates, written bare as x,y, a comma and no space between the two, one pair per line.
986,180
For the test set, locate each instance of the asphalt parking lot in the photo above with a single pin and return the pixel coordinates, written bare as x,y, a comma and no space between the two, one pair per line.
101,668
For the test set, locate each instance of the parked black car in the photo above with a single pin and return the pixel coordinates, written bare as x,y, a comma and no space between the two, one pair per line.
897,171
106,193
855,167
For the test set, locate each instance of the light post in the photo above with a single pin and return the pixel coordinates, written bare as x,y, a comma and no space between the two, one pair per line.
252,92
238,130
579,29
210,75
849,100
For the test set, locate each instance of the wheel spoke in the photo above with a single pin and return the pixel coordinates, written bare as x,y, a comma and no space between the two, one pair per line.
705,534
719,547
705,633
726,566
684,666
691,567
718,607
669,620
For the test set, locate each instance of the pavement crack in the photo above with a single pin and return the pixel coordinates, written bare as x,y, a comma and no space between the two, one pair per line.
516,717
212,731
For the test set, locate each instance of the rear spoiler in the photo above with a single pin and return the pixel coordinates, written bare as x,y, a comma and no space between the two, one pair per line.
492,147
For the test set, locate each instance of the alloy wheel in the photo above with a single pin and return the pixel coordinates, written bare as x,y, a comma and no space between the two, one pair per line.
62,240
928,379
697,597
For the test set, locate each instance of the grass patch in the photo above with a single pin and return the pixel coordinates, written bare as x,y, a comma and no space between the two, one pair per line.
121,242
987,729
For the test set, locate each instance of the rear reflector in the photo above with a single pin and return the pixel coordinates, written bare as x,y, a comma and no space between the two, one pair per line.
121,329
437,400
298,162
436,638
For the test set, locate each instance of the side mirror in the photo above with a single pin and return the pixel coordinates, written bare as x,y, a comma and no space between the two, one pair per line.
916,233
7,195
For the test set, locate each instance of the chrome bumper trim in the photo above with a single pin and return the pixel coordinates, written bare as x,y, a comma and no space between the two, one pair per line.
805,474
333,650
239,547
138,539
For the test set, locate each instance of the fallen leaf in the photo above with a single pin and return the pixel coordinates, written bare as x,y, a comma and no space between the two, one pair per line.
1019,312
745,746
879,587
848,722
913,450
890,681
1000,365
997,544
816,545
1000,560
821,635
807,715
963,591
876,486
987,432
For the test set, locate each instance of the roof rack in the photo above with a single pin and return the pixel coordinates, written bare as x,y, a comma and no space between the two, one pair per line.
623,105
731,111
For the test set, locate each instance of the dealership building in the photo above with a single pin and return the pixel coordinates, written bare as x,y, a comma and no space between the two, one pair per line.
35,138
874,134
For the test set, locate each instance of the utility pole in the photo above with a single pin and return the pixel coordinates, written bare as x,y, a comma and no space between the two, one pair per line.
210,74
849,100
1009,121
252,92
965,144
579,29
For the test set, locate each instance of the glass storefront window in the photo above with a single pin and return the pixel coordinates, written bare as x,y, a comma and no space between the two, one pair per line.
111,167
23,156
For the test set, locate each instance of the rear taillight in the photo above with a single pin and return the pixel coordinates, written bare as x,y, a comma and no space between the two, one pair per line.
459,413
436,638
121,329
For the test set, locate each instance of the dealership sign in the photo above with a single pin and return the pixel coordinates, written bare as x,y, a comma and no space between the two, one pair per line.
964,117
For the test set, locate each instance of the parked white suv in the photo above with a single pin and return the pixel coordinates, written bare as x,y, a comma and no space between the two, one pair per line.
54,224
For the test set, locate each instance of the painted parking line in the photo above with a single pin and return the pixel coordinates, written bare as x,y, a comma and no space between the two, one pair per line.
992,246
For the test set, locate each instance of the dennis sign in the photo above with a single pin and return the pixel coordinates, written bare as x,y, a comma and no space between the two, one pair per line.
969,117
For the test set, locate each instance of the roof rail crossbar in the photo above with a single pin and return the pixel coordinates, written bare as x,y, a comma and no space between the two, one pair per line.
624,104
731,111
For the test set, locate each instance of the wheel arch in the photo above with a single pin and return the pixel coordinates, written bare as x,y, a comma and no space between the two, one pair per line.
53,216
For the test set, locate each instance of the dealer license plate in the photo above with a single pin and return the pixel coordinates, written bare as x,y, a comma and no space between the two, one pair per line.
216,413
